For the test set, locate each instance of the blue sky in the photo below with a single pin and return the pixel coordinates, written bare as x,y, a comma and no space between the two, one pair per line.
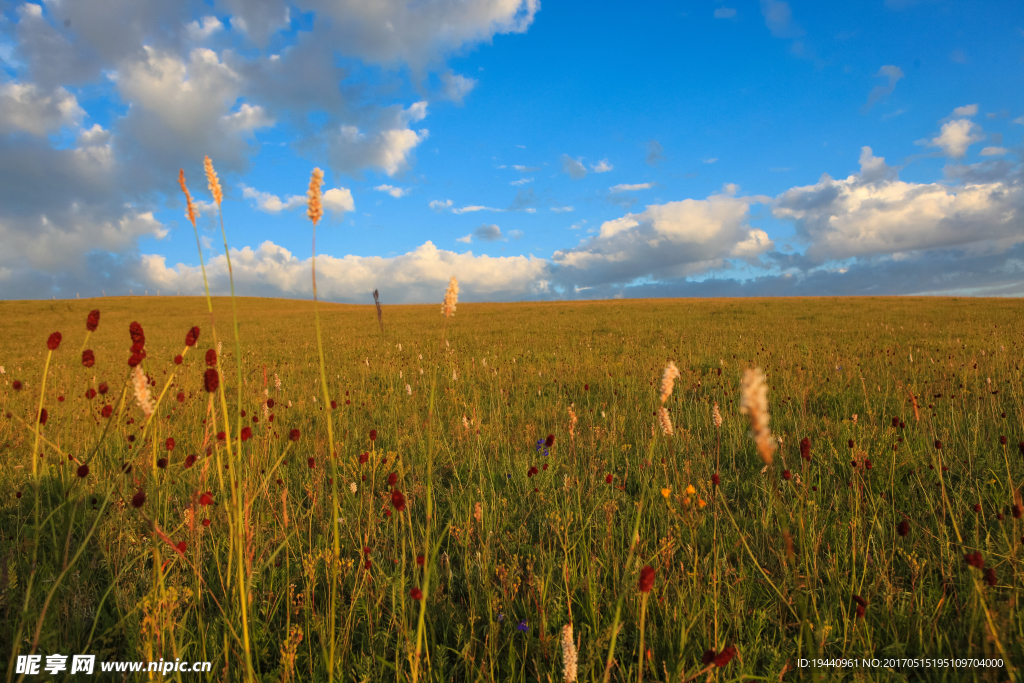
533,151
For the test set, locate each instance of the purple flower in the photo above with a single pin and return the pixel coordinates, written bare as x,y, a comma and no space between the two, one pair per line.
522,627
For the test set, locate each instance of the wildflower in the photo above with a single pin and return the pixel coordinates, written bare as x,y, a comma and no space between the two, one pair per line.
102,388
246,433
977,507
754,402
162,463
139,499
212,181
569,657
416,594
189,461
665,421
787,475
668,378
270,403
206,522
294,435
608,479
311,462
83,471
701,503
550,441
90,393
373,435
16,384
277,383
192,336
665,493
523,627
363,457
725,656
420,560
211,380
54,341
805,448
451,297
1017,511
392,478
88,358
716,417
206,499
211,357
715,479
938,445
398,500
92,321
353,488
903,528
975,559
142,395
408,389
107,411
690,490
315,210
646,579
181,547
221,436
136,333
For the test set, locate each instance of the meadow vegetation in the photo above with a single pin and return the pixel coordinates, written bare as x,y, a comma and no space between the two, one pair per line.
536,483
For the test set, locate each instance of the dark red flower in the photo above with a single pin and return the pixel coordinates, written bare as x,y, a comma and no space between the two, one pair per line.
420,560
90,394
139,499
311,462
221,436
805,448
392,478
938,445
246,433
903,528
860,601
54,341
107,411
180,397
975,559
861,611
93,321
367,565
532,471
416,594
990,577
206,522
136,358
608,479
373,435
398,500
162,463
1020,447
206,499
895,422
867,464
548,442
363,457
189,461
270,403
708,657
88,358
715,479
16,384
545,467
725,656
586,387
211,357
60,399
43,416
83,471
902,425
334,404
1017,511
977,507
1002,440
294,435
850,443
138,336
787,475
102,388
366,550
192,336
169,443
646,579
17,494
211,380
178,359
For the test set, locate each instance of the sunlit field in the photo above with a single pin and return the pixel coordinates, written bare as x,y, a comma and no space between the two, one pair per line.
502,474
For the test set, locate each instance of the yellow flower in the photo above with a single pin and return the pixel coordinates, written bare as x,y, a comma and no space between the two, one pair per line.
690,490
701,502
665,493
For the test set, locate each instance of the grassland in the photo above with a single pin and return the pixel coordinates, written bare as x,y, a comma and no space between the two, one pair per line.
774,561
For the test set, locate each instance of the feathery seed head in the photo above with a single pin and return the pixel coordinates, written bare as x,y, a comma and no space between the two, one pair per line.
754,402
716,417
315,209
665,421
212,180
451,297
569,657
191,211
668,378
142,395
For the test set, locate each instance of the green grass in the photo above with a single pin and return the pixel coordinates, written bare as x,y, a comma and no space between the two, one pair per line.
550,549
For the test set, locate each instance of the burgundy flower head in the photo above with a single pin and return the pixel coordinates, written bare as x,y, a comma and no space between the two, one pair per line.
139,499
138,336
294,435
246,433
646,579
189,461
102,388
16,384
211,357
548,442
416,594
392,478
90,393
903,528
93,321
805,448
715,479
169,443
83,471
192,336
54,341
180,397
88,358
107,411
787,475
725,656
206,499
363,458
938,445
270,403
398,500
211,380
373,435
162,463
43,416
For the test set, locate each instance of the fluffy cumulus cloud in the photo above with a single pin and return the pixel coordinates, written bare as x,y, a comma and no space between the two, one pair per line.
417,276
395,192
673,240
955,137
27,108
389,149
873,213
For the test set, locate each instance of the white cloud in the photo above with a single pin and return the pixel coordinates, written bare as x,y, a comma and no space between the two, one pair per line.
438,205
524,169
955,137
573,167
271,203
27,108
201,31
465,240
474,209
779,19
631,188
456,87
488,233
601,167
395,192
416,276
562,209
993,151
389,149
966,110
724,13
890,72
521,181
1020,120
876,213
711,160
339,200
